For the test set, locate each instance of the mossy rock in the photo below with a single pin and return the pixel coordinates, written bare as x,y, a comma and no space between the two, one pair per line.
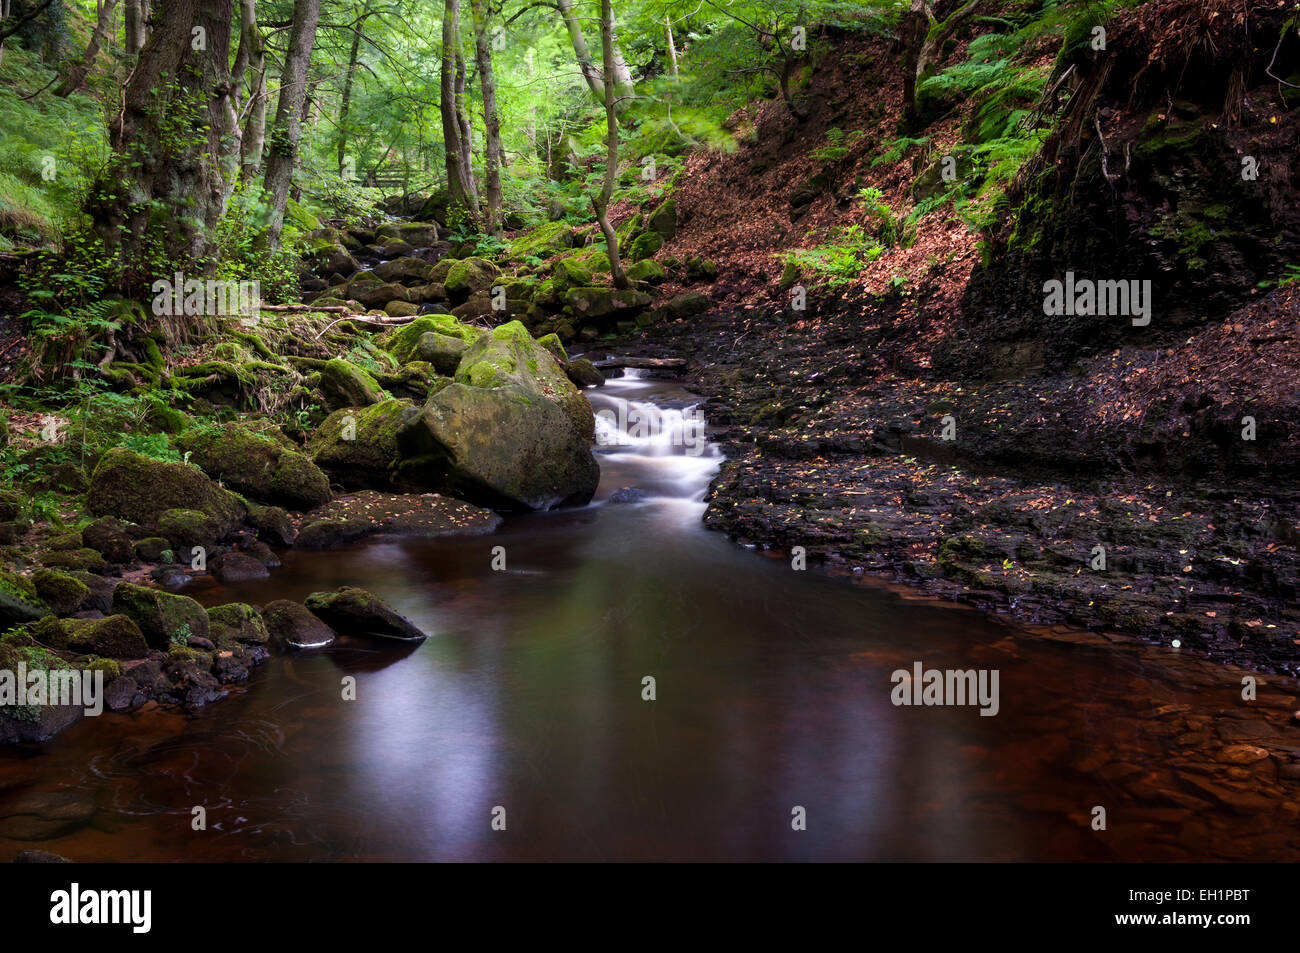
594,260
543,241
401,309
606,303
504,447
116,636
133,487
358,448
11,505
347,385
65,541
402,343
64,594
188,528
468,276
373,295
82,560
644,246
152,549
108,537
258,463
351,610
161,616
551,343
19,600
442,351
663,220
569,273
647,271
508,356
239,622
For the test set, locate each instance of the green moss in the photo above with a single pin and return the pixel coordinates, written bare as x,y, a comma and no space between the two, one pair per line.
401,344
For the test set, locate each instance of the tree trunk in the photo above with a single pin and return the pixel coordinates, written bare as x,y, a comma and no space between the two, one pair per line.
135,26
459,191
287,129
672,47
345,103
579,40
158,200
492,147
601,202
253,48
466,132
590,72
77,74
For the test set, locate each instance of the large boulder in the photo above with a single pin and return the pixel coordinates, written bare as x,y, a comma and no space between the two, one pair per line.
133,487
508,356
352,610
291,624
441,350
239,622
600,303
346,385
468,276
503,447
64,594
408,270
262,465
663,220
376,294
358,448
543,241
115,636
161,616
403,342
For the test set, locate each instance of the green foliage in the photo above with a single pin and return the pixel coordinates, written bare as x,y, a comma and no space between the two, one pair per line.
243,252
895,149
50,149
838,261
153,445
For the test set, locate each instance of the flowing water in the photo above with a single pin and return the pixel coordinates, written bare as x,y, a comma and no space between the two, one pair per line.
772,702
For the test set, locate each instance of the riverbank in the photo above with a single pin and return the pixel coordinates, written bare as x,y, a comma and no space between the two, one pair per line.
829,451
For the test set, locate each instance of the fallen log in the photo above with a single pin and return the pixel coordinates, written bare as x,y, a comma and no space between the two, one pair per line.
645,363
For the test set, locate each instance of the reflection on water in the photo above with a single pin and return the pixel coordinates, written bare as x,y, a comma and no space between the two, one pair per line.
772,692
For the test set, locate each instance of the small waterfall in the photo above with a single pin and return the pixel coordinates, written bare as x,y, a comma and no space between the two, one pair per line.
651,438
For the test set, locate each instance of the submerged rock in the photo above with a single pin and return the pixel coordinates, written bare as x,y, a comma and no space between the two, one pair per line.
352,610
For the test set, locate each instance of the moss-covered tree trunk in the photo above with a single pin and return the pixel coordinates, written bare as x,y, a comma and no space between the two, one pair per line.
157,203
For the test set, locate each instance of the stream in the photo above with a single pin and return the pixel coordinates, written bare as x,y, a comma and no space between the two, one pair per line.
772,693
